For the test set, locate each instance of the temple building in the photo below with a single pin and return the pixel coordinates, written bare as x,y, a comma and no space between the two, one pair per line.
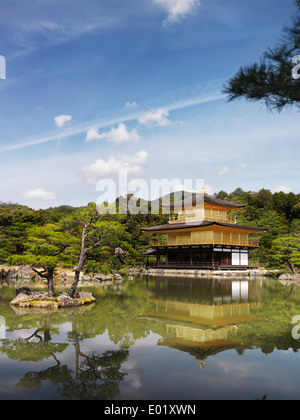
200,234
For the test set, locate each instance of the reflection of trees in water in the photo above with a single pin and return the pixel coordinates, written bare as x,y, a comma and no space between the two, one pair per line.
96,376
37,346
279,305
93,375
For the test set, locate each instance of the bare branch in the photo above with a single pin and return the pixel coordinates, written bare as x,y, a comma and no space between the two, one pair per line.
40,273
62,250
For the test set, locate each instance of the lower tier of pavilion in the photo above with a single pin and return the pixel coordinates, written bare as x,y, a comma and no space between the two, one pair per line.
206,245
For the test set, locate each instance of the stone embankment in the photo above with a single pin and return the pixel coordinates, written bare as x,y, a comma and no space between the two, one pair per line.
218,274
25,274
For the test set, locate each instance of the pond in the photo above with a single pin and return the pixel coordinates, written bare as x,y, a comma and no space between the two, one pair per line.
156,338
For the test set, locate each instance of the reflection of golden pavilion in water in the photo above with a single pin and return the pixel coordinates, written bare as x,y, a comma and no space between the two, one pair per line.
203,330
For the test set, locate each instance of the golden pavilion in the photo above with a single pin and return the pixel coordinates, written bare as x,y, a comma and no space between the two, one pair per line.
201,234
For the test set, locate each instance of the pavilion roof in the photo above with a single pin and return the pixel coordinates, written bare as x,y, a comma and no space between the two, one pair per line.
194,199
189,225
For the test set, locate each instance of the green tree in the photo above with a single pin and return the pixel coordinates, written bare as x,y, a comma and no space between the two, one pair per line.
270,80
14,223
285,252
44,250
285,204
263,199
221,195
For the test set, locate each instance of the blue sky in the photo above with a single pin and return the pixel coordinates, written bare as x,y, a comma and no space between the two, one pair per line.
97,86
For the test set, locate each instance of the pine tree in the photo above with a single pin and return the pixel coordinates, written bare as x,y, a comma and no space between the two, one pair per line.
272,79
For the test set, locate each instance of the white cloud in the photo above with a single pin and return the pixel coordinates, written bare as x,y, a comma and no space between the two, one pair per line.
208,189
116,135
242,165
39,194
61,120
283,188
177,9
133,165
92,134
130,104
158,117
224,171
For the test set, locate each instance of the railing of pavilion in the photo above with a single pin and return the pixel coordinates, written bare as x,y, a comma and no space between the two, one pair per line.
197,265
209,216
188,241
164,264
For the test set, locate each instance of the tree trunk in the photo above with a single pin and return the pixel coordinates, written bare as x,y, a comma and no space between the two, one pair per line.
49,276
50,280
291,266
78,269
74,286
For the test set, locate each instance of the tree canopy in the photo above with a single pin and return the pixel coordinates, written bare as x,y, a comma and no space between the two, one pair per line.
271,79
44,250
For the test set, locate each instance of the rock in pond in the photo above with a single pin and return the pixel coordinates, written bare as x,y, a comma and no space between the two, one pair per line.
24,290
44,300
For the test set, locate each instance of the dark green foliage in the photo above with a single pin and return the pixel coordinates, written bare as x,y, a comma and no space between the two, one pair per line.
270,80
279,213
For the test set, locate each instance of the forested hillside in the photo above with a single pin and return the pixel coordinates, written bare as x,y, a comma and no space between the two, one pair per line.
34,237
280,214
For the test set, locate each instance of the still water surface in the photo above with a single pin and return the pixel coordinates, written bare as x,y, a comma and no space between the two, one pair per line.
156,339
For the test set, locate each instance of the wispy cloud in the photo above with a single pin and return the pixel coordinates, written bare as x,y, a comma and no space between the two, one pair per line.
61,120
158,117
177,9
224,171
83,128
31,27
130,104
33,36
242,165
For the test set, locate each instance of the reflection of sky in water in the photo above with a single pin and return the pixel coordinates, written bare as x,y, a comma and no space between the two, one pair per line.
163,374
162,340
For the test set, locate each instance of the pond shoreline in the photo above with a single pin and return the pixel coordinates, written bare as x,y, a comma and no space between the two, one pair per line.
24,275
63,276
219,274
